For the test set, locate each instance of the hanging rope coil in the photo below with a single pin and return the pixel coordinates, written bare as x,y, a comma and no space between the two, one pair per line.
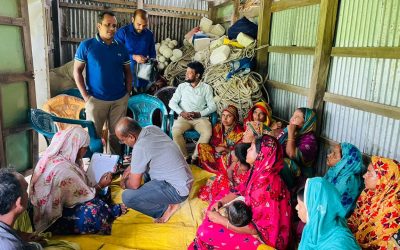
241,91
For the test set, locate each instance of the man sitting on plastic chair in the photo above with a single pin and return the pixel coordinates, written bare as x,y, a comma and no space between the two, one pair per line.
193,101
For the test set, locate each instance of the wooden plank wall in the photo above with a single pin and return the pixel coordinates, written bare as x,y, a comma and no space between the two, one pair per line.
10,78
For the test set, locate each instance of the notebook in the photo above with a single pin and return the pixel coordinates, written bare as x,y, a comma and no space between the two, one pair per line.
99,165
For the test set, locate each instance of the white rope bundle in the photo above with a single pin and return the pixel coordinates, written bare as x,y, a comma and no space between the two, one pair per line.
241,91
178,69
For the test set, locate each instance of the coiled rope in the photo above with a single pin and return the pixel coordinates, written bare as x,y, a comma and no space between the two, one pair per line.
241,91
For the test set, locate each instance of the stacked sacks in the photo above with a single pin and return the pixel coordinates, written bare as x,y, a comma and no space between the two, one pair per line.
217,57
167,52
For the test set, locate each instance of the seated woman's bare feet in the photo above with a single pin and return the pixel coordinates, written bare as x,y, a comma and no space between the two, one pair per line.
172,208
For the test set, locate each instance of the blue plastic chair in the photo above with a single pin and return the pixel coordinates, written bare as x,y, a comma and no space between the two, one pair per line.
44,123
143,107
191,134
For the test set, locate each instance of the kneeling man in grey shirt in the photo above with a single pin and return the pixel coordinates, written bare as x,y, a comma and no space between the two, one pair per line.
158,160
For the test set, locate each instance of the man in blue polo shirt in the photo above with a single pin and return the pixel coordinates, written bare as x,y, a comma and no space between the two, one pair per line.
139,41
108,77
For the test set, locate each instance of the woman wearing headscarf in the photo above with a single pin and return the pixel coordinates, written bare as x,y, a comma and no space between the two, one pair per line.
260,112
319,206
345,173
236,174
253,130
215,157
375,221
64,202
267,196
300,146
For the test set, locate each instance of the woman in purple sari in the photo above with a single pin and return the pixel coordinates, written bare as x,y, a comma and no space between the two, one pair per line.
300,147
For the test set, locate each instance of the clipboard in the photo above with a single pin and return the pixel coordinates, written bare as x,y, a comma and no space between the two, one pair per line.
99,165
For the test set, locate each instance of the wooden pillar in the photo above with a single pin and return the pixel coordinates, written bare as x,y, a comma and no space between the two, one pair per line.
22,21
264,29
140,4
55,18
235,14
322,57
34,143
212,12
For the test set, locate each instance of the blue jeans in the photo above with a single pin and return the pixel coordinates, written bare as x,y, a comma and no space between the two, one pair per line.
152,198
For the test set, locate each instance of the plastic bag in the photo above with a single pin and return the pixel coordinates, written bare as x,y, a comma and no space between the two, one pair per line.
147,71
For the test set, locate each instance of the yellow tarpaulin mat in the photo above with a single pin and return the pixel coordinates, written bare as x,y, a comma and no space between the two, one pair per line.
137,231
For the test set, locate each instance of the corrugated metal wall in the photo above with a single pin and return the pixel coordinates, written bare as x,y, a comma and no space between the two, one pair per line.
81,23
360,24
284,103
372,134
293,27
296,71
365,24
368,23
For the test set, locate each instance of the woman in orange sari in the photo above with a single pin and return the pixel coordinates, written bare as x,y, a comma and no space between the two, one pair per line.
375,221
215,157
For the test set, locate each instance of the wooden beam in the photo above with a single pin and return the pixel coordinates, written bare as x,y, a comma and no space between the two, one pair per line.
5,20
87,7
328,141
169,8
71,40
16,129
212,12
367,106
292,50
140,4
6,78
292,4
235,14
34,143
132,4
191,17
3,159
378,52
322,57
125,10
288,87
263,35
56,24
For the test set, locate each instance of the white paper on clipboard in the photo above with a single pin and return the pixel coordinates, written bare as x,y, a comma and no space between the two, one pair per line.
99,165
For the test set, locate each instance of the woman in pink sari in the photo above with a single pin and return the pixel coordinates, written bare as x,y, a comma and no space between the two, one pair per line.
267,196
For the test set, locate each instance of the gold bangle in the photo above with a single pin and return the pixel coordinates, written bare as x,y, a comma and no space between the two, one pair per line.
291,139
227,224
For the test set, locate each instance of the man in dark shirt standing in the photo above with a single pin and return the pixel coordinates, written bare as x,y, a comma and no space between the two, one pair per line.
139,41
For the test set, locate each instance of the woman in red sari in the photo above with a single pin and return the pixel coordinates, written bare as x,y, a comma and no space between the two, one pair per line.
222,183
215,157
267,196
